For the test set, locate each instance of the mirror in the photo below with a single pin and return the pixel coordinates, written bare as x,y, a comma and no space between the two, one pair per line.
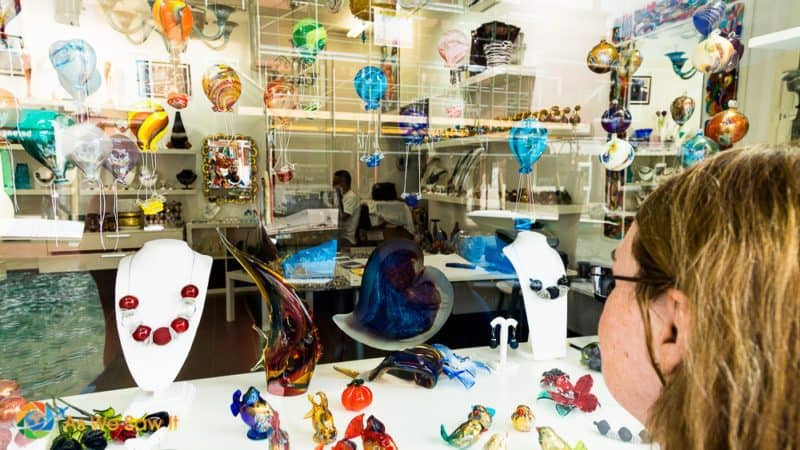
229,163
656,84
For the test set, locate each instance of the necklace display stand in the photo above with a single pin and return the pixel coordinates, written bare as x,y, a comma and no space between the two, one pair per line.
534,259
155,275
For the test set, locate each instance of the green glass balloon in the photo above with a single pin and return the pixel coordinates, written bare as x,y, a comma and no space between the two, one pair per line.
37,134
310,38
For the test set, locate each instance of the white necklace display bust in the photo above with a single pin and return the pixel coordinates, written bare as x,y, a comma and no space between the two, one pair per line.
155,275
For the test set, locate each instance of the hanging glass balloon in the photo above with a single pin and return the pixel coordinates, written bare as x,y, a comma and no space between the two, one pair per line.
616,119
453,49
174,20
528,142
630,60
602,57
370,84
222,86
727,127
697,149
148,121
713,54
309,37
87,147
682,109
709,17
75,62
122,160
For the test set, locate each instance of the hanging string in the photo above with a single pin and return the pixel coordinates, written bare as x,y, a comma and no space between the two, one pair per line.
116,213
405,172
18,109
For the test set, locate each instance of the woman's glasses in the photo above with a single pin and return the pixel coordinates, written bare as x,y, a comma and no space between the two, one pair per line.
604,281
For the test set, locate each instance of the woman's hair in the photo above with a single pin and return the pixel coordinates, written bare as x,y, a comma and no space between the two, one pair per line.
726,233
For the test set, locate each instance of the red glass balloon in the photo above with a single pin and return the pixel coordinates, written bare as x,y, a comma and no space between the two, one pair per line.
727,127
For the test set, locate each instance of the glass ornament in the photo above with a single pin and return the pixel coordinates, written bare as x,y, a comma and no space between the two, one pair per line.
261,418
617,154
363,8
453,48
280,95
678,60
36,133
630,60
727,127
602,57
682,109
222,86
9,109
123,158
75,62
713,54
709,17
697,149
310,38
370,84
616,119
528,142
414,131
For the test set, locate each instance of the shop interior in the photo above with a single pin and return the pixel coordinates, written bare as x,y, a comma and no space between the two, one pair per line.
292,146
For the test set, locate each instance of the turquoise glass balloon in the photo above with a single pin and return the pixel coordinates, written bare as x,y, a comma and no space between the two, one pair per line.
86,146
697,149
75,62
528,141
370,85
37,135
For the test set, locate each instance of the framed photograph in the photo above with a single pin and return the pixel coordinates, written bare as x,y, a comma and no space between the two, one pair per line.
229,168
159,79
390,65
640,90
11,57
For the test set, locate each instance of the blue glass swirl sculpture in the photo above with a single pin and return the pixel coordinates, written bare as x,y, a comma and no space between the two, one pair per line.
528,141
399,296
370,84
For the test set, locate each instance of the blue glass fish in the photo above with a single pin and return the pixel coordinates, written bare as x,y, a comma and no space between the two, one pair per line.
262,419
462,368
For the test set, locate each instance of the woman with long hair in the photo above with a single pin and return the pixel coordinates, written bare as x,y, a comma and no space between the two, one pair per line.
701,334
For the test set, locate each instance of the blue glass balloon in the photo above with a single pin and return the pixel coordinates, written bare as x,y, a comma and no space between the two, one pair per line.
697,149
370,84
414,132
616,119
75,62
709,17
373,160
80,92
399,296
528,141
411,200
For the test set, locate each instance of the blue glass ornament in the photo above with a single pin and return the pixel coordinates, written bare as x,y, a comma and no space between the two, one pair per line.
370,84
414,132
697,149
411,200
373,160
75,62
22,176
399,296
709,17
616,119
528,141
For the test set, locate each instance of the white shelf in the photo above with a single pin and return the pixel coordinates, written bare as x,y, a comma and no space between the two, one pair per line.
132,192
788,39
163,152
37,192
553,129
542,212
497,71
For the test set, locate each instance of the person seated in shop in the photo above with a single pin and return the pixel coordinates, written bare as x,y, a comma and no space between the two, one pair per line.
700,335
386,211
348,205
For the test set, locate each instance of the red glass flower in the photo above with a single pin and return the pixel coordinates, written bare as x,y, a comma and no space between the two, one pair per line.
567,396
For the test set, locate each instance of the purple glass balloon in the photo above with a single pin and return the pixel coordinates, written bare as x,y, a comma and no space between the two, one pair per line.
616,119
124,156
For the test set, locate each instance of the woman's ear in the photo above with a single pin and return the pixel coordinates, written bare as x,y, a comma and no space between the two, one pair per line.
670,321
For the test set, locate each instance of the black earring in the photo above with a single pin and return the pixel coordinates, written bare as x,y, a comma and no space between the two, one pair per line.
512,339
493,339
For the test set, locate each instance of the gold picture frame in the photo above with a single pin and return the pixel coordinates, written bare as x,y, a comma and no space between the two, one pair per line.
229,168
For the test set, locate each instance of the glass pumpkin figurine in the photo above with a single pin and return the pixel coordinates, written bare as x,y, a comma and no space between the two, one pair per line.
602,57
728,127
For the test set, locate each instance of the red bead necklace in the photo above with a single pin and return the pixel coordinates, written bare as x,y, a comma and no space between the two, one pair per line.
140,332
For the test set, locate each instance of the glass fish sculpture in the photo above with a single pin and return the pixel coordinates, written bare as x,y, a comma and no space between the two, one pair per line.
373,433
263,420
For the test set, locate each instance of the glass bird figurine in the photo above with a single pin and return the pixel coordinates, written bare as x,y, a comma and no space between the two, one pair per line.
321,419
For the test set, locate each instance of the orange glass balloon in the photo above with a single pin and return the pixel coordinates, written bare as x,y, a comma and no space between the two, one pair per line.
222,86
173,18
727,127
280,95
148,122
602,57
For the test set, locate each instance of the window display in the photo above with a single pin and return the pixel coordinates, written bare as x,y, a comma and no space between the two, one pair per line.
372,185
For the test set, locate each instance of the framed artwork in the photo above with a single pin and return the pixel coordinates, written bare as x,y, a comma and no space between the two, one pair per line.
229,168
158,79
640,90
11,63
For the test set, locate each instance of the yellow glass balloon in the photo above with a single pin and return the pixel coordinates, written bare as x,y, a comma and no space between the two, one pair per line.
148,121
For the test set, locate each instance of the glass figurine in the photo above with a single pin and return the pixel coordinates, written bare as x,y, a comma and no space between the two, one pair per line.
549,440
321,419
522,418
468,433
373,434
262,419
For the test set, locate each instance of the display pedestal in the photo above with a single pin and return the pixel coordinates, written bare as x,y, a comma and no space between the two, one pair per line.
533,259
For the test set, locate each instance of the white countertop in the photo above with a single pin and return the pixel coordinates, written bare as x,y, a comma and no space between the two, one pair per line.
411,414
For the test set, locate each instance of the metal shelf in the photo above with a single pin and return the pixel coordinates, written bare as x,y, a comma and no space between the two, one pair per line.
553,129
